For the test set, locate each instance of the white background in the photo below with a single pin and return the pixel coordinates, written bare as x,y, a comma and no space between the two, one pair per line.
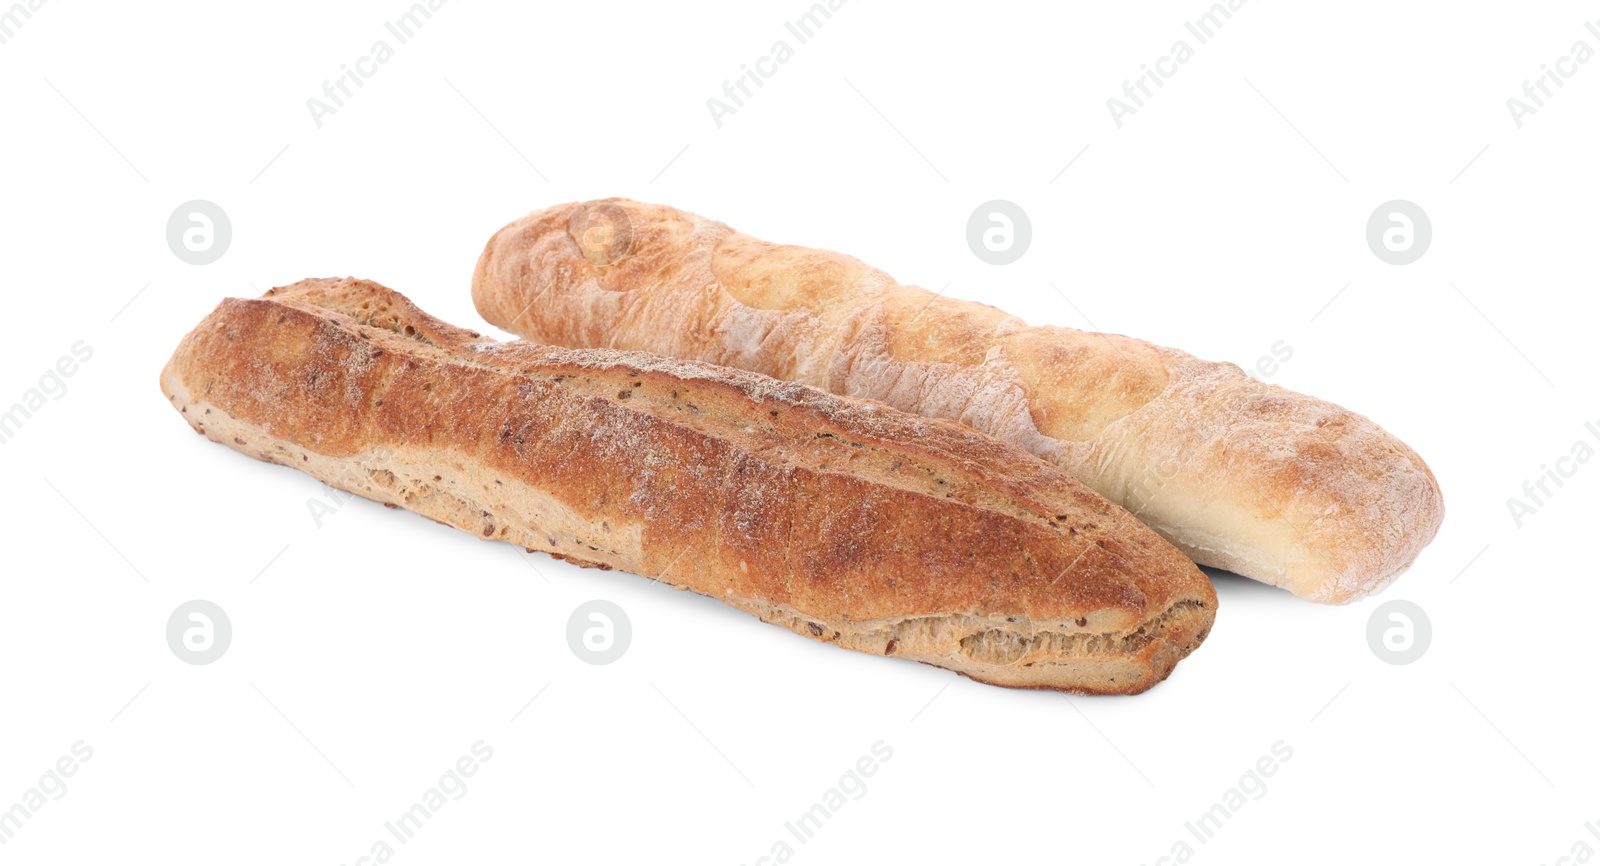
375,650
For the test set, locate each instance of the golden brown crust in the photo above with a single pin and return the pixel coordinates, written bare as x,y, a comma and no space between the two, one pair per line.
843,520
1274,485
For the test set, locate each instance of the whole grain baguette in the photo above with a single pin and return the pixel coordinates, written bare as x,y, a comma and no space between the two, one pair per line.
842,520
1274,485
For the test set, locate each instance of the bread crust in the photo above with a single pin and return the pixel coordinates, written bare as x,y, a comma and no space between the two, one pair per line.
842,520
1274,485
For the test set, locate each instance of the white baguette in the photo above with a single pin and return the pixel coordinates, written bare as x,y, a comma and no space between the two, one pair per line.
1274,485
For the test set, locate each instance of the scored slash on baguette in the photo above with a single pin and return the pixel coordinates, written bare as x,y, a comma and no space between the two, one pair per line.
842,520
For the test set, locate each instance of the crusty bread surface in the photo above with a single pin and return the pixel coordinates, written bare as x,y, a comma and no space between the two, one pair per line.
1241,475
842,520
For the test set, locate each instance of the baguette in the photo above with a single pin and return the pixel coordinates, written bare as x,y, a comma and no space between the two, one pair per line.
1276,486
842,520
